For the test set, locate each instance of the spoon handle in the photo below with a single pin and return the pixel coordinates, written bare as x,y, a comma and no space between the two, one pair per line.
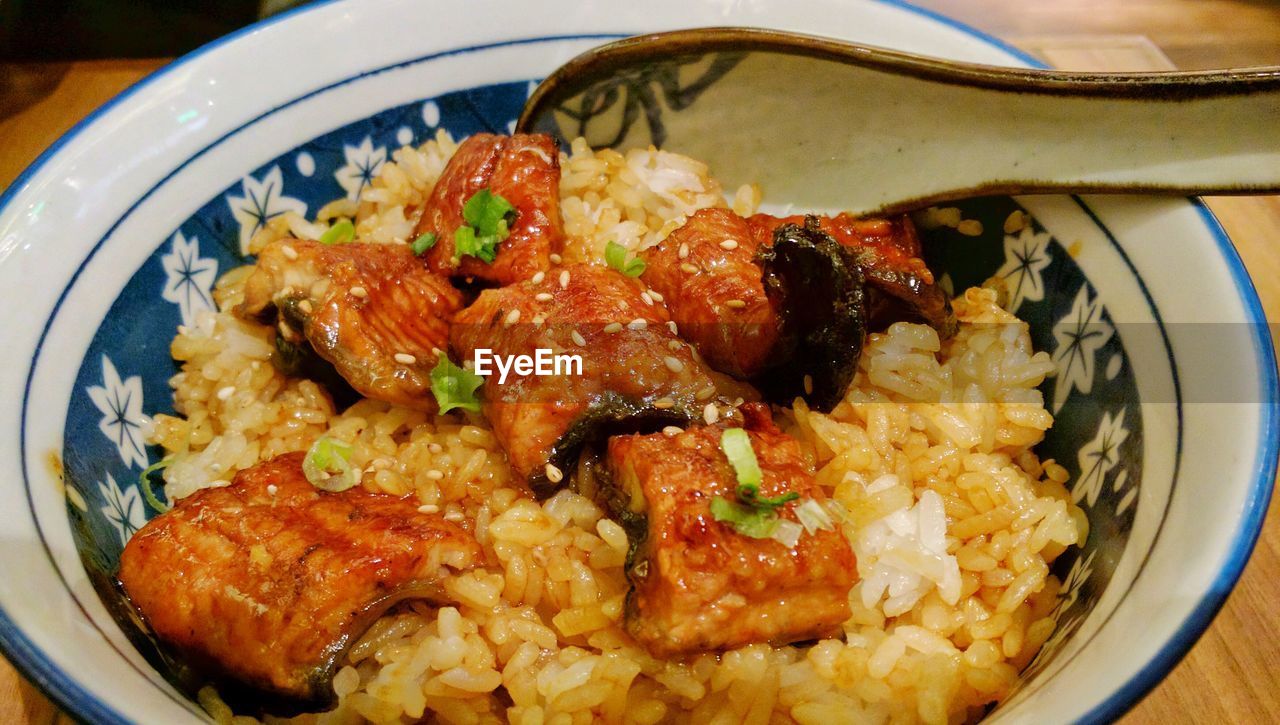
826,123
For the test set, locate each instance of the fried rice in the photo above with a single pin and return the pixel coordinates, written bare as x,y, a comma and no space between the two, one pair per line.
954,520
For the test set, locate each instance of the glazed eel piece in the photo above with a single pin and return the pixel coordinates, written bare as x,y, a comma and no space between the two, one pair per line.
888,251
698,584
263,585
786,303
636,374
371,310
523,169
786,313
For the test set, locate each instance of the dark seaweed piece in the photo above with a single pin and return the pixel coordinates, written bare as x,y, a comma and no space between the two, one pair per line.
610,415
818,287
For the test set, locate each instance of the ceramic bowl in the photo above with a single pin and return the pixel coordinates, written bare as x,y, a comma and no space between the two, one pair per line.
1165,377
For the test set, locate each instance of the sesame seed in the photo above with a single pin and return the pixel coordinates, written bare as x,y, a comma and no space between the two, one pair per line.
578,339
556,259
664,403
675,345
808,385
671,431
305,306
671,325
645,296
738,401
428,508
728,244
684,251
970,227
711,413
226,392
453,516
554,475
613,327
513,317
537,278
285,331
405,358
272,488
705,393
435,447
735,304
673,364
435,474
538,319
564,279
435,351
688,268
638,324
289,252
543,297
655,295
359,292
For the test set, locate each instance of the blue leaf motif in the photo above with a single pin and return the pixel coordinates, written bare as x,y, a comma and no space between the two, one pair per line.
363,164
188,278
263,200
1079,334
120,402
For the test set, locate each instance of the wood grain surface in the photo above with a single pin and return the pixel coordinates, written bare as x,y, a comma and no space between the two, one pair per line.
1233,674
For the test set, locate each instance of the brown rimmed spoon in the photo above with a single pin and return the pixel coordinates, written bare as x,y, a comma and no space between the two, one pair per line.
830,124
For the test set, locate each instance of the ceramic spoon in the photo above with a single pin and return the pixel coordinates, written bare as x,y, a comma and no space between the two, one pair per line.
829,124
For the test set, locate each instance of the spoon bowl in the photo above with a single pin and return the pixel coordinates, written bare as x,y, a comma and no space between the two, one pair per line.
826,123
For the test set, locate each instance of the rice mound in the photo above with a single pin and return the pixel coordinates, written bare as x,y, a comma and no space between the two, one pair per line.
954,520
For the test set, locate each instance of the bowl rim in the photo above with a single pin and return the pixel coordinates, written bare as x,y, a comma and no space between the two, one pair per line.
70,696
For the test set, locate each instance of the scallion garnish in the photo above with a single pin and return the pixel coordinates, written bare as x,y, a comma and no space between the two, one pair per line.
340,233
144,482
454,387
327,465
752,514
615,255
488,217
423,243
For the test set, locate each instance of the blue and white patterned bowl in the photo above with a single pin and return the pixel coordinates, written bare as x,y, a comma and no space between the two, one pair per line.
1165,393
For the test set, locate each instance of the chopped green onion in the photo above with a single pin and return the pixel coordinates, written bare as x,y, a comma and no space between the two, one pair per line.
758,523
488,217
454,387
327,465
467,244
615,255
144,482
787,533
736,445
423,243
340,233
752,514
813,516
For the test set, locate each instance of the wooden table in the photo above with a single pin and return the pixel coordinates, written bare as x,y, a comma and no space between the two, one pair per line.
1233,673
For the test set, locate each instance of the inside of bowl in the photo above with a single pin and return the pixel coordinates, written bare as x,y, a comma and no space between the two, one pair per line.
123,379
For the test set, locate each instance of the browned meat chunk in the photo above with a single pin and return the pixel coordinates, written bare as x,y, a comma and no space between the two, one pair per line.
698,583
785,310
267,581
635,372
708,276
888,252
523,169
372,310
